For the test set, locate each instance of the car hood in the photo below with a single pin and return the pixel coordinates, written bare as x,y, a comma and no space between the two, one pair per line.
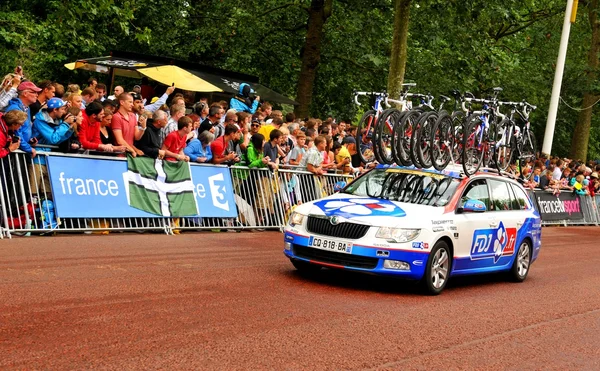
372,211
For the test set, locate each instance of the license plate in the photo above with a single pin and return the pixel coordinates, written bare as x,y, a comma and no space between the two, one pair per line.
330,245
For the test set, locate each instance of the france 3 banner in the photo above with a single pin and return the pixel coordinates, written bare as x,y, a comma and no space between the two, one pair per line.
139,187
564,206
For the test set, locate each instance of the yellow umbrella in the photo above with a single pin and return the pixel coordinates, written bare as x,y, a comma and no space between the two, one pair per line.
182,78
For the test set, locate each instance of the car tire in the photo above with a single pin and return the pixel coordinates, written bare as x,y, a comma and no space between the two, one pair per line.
437,271
305,267
522,262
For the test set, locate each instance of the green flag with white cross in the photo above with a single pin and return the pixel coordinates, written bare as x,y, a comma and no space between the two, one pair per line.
160,187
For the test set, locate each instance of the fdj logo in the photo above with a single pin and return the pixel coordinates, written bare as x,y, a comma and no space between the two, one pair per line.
493,243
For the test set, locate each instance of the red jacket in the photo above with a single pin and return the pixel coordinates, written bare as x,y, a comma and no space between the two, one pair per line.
5,138
89,134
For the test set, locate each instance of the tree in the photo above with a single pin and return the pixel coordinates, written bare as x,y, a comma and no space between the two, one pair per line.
318,12
399,47
581,135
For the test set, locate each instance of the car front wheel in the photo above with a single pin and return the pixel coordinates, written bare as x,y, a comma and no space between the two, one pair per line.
438,268
520,267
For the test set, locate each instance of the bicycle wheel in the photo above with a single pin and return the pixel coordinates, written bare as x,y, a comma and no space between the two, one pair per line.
442,141
529,145
421,126
505,145
396,121
383,139
423,141
364,134
458,124
473,150
405,130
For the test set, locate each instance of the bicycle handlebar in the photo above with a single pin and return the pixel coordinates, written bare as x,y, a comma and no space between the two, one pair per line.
365,93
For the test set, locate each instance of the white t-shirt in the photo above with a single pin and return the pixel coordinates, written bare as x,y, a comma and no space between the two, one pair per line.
557,173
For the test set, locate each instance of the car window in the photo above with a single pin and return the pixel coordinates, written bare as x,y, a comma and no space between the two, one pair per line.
521,198
410,186
476,190
501,197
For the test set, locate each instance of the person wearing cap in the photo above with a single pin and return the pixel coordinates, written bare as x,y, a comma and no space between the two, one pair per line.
219,146
51,126
243,102
47,92
28,94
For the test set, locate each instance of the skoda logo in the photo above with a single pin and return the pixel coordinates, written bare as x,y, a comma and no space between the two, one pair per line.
334,220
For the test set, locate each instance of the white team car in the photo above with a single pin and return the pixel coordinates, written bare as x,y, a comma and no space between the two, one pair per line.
418,224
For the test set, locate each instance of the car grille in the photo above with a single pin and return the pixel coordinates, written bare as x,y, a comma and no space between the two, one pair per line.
346,260
343,230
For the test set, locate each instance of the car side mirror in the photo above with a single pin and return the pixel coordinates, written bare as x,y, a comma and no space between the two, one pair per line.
474,206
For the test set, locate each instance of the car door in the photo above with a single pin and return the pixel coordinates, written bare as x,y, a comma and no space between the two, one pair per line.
472,228
505,215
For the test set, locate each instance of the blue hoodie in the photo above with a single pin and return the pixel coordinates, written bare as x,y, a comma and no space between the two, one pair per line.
24,131
49,131
238,103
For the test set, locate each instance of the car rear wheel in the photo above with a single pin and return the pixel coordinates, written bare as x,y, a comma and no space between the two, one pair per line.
305,267
438,267
520,267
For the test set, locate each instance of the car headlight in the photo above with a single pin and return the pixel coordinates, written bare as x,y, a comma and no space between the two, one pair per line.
397,234
296,218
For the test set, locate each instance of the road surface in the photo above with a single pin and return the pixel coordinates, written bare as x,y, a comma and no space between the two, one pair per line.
233,301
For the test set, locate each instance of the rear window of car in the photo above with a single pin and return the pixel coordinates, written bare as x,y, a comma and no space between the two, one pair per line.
402,185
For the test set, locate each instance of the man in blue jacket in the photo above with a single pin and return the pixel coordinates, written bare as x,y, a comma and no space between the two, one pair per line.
52,127
28,94
242,102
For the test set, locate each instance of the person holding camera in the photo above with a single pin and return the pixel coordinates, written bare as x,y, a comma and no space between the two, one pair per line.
51,126
244,101
9,124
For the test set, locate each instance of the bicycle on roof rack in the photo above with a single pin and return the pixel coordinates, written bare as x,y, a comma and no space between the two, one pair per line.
480,134
367,127
426,136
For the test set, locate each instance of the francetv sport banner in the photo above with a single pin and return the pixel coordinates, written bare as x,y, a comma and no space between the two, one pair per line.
110,188
565,206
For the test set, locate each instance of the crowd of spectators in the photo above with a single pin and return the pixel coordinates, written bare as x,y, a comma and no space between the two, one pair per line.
72,119
560,175
243,132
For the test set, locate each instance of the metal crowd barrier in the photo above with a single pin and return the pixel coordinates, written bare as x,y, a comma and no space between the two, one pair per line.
589,207
264,200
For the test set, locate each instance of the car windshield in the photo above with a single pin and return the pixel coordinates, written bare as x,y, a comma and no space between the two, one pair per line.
403,185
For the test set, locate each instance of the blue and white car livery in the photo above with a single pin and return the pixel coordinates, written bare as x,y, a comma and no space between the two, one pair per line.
420,225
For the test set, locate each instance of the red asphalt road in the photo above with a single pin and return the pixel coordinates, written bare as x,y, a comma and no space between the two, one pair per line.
233,301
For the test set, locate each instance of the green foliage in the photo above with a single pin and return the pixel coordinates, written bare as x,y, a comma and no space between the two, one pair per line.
469,45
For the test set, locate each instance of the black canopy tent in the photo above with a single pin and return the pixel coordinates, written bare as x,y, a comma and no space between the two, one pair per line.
186,75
